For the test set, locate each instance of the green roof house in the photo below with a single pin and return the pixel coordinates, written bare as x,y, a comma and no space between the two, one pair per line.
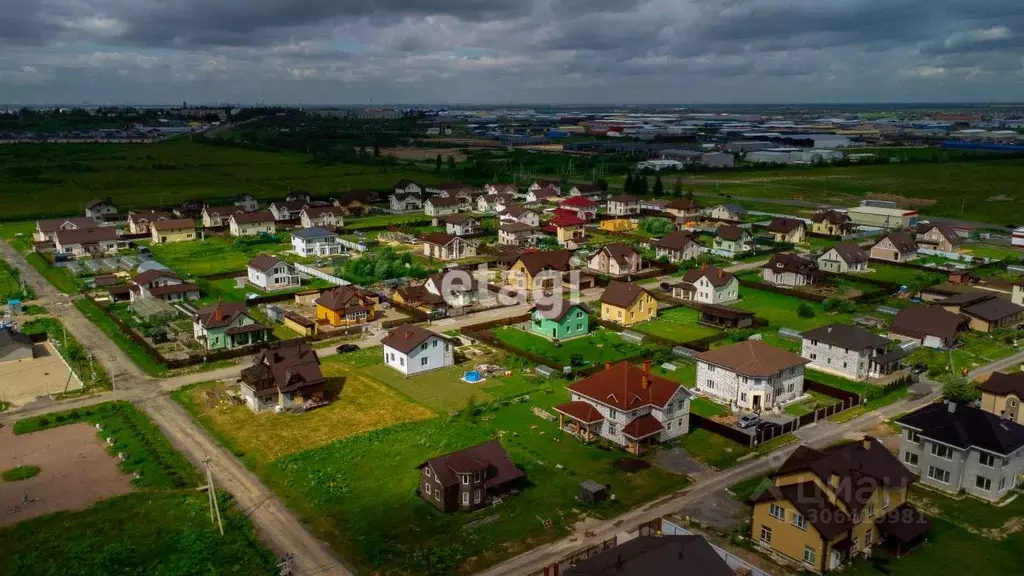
560,321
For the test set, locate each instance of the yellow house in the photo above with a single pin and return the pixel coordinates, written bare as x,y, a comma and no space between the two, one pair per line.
346,306
1002,394
569,229
177,230
627,304
790,230
824,507
831,223
617,225
540,270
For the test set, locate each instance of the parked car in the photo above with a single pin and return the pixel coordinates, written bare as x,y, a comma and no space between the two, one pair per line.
346,348
666,287
919,368
748,420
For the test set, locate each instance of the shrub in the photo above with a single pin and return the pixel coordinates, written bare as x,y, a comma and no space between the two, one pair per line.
805,310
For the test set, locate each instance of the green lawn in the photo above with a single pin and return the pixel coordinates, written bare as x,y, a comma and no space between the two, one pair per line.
677,324
226,290
134,351
600,346
912,278
864,389
60,278
213,255
816,401
10,284
716,451
386,220
996,251
686,374
978,349
745,489
76,355
780,310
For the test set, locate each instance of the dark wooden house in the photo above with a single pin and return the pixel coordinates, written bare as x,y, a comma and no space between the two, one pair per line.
469,478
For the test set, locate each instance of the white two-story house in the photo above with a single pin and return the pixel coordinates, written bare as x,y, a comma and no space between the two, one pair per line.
751,375
413,350
316,241
269,273
252,223
707,285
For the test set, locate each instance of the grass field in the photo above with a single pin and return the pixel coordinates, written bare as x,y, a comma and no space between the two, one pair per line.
10,284
780,310
912,278
978,349
386,220
213,255
815,402
716,451
63,177
676,324
599,346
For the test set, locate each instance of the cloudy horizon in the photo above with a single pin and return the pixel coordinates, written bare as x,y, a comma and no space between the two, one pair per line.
307,52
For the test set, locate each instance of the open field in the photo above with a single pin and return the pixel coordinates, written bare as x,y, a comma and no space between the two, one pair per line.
676,324
214,255
780,310
599,346
63,177
65,344
716,451
913,279
978,349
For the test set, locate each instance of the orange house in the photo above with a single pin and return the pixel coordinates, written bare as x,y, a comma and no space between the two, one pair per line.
345,306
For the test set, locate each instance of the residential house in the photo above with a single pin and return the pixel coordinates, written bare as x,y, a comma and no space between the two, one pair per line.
322,217
414,350
162,285
624,205
247,202
831,223
895,247
406,202
725,317
447,247
626,405
345,306
355,202
552,185
844,258
583,208
1002,395
683,208
448,189
408,187
751,375
101,210
791,230
270,273
707,285
438,206
418,297
569,229
627,304
139,221
516,213
732,241
225,326
252,223
543,269
932,326
561,320
616,259
285,374
655,205
956,447
188,209
47,229
826,507
589,191
678,246
458,288
462,225
542,195
647,555
493,202
728,212
499,188
316,241
850,351
790,271
79,242
288,210
173,230
938,237
15,346
1017,294
516,234
299,196
986,310
468,479
217,216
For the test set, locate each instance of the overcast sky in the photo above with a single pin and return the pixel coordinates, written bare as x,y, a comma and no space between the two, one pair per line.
500,51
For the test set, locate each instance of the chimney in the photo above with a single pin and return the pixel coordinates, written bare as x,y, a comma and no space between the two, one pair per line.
830,329
607,364
408,333
866,442
721,274
951,406
645,379
218,313
647,367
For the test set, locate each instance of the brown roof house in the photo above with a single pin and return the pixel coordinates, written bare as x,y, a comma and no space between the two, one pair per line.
438,206
831,223
346,306
462,225
683,208
540,269
707,285
225,326
986,310
271,273
215,216
412,350
97,241
792,230
162,285
895,247
932,326
282,376
516,234
850,351
751,375
627,304
47,229
938,237
678,246
627,405
447,247
252,223
732,241
790,271
322,217
623,205
1002,395
843,258
419,297
470,478
616,259
655,555
139,221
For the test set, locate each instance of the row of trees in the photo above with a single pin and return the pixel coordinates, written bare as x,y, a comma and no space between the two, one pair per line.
639,185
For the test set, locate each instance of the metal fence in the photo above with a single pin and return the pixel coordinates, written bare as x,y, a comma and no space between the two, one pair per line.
310,271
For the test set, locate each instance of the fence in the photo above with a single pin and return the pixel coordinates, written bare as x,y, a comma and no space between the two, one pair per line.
734,562
224,275
780,290
321,275
357,246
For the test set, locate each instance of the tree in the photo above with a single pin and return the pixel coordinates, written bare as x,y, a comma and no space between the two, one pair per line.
659,188
602,184
437,163
376,151
641,185
656,226
627,186
451,163
956,388
804,310
677,187
689,194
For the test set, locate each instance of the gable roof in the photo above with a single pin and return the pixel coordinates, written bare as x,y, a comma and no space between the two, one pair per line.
717,276
544,193
785,225
150,275
252,217
438,201
290,205
86,235
263,262
564,220
964,426
846,336
1002,383
621,294
419,293
460,219
358,195
222,210
676,240
850,252
682,204
831,216
99,202
312,232
627,387
407,337
438,238
901,240
558,309
588,188
945,229
731,233
175,224
788,262
653,555
284,366
753,358
404,183
578,202
535,262
318,211
229,311
344,298
619,252
150,215
515,211
624,198
992,309
78,222
489,456
515,227
733,208
921,321
813,504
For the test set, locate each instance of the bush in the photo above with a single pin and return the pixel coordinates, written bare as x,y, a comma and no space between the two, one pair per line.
656,226
805,310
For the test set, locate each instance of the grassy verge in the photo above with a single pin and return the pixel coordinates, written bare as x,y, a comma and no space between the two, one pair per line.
776,443
677,324
134,351
716,451
744,489
59,278
874,404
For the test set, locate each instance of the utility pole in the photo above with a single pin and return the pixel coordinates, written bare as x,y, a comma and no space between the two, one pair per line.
214,506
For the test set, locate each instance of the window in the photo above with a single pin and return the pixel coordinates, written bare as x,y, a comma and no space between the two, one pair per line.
423,346
810,556
743,396
464,478
426,472
944,452
437,495
476,477
799,521
983,483
987,460
401,360
1002,484
789,388
429,488
612,428
910,459
669,427
856,544
814,356
465,498
938,474
579,314
776,511
435,343
476,497
711,383
868,537
885,500
766,535
579,327
423,361
871,509
913,436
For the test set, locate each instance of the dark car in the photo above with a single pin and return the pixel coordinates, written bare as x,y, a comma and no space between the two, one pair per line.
346,348
666,287
919,368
